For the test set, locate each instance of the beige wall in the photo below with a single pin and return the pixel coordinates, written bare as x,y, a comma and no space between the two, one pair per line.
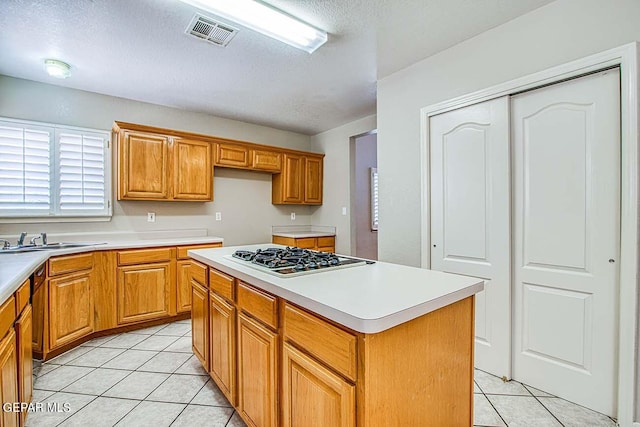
560,32
335,143
243,197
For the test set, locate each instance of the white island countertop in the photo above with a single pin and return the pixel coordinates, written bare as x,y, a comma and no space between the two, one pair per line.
15,268
366,298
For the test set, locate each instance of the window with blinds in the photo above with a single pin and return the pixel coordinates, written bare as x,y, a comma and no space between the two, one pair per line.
53,171
374,199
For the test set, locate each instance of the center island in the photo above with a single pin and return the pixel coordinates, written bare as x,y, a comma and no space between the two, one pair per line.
369,345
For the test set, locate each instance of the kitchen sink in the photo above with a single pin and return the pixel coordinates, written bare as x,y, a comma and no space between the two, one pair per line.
47,247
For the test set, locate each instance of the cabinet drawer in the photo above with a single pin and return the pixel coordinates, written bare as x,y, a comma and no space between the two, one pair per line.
308,243
221,283
182,250
144,256
198,272
324,242
260,305
7,315
71,263
332,345
22,296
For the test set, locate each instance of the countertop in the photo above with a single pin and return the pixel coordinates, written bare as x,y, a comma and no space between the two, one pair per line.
368,298
15,268
303,234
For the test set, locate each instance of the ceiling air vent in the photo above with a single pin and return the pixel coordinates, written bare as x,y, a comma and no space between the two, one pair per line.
210,30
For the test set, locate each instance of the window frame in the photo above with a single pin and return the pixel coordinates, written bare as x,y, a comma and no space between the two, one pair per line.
55,213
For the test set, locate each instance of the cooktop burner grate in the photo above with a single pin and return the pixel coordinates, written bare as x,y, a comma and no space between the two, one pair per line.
294,261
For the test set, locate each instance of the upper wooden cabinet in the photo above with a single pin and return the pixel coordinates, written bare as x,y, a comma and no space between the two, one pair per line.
155,166
169,165
300,181
246,156
192,170
233,155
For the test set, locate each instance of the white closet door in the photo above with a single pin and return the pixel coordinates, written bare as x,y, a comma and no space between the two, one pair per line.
470,217
566,142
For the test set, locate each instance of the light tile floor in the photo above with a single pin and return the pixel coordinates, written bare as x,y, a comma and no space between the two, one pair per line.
150,377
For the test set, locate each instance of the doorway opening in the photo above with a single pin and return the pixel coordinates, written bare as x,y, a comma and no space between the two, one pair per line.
364,195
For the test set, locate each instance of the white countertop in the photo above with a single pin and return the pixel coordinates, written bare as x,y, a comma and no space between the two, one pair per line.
15,268
303,234
368,298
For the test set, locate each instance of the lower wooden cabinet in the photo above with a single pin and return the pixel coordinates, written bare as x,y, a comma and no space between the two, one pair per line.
143,291
322,244
257,373
70,308
199,322
222,331
24,333
9,378
312,395
183,287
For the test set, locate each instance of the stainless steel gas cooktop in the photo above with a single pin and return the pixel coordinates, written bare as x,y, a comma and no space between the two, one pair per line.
289,262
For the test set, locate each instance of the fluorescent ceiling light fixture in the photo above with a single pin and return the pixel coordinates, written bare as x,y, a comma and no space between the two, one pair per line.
266,20
58,69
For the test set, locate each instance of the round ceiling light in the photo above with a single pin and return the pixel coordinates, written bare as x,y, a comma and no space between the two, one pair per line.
58,69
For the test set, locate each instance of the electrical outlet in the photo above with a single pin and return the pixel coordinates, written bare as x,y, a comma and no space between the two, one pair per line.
218,216
344,210
293,216
151,217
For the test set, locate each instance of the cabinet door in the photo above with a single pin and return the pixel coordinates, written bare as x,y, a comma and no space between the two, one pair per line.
183,284
70,308
289,185
233,155
143,291
143,166
24,332
9,378
199,320
312,395
257,370
267,160
313,180
222,329
192,170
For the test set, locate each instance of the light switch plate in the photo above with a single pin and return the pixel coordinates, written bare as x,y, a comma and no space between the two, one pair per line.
151,217
293,216
218,216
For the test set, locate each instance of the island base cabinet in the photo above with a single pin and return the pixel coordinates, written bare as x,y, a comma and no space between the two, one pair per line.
257,373
222,344
313,396
420,372
199,321
9,379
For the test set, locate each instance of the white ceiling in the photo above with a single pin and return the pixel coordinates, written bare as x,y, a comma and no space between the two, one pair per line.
137,49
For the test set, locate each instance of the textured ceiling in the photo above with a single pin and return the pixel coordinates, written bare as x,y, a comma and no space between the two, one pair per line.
137,49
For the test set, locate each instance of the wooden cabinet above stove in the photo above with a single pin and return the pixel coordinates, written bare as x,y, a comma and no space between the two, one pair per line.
168,165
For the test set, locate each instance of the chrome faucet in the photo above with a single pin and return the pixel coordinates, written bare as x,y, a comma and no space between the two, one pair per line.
5,244
21,238
32,242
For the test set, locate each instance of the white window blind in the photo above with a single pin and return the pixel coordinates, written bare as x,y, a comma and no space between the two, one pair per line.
53,171
81,171
374,199
25,169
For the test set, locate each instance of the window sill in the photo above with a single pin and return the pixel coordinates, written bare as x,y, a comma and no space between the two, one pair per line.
50,219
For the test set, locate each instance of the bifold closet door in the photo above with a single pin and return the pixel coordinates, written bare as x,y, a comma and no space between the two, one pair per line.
566,143
470,217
